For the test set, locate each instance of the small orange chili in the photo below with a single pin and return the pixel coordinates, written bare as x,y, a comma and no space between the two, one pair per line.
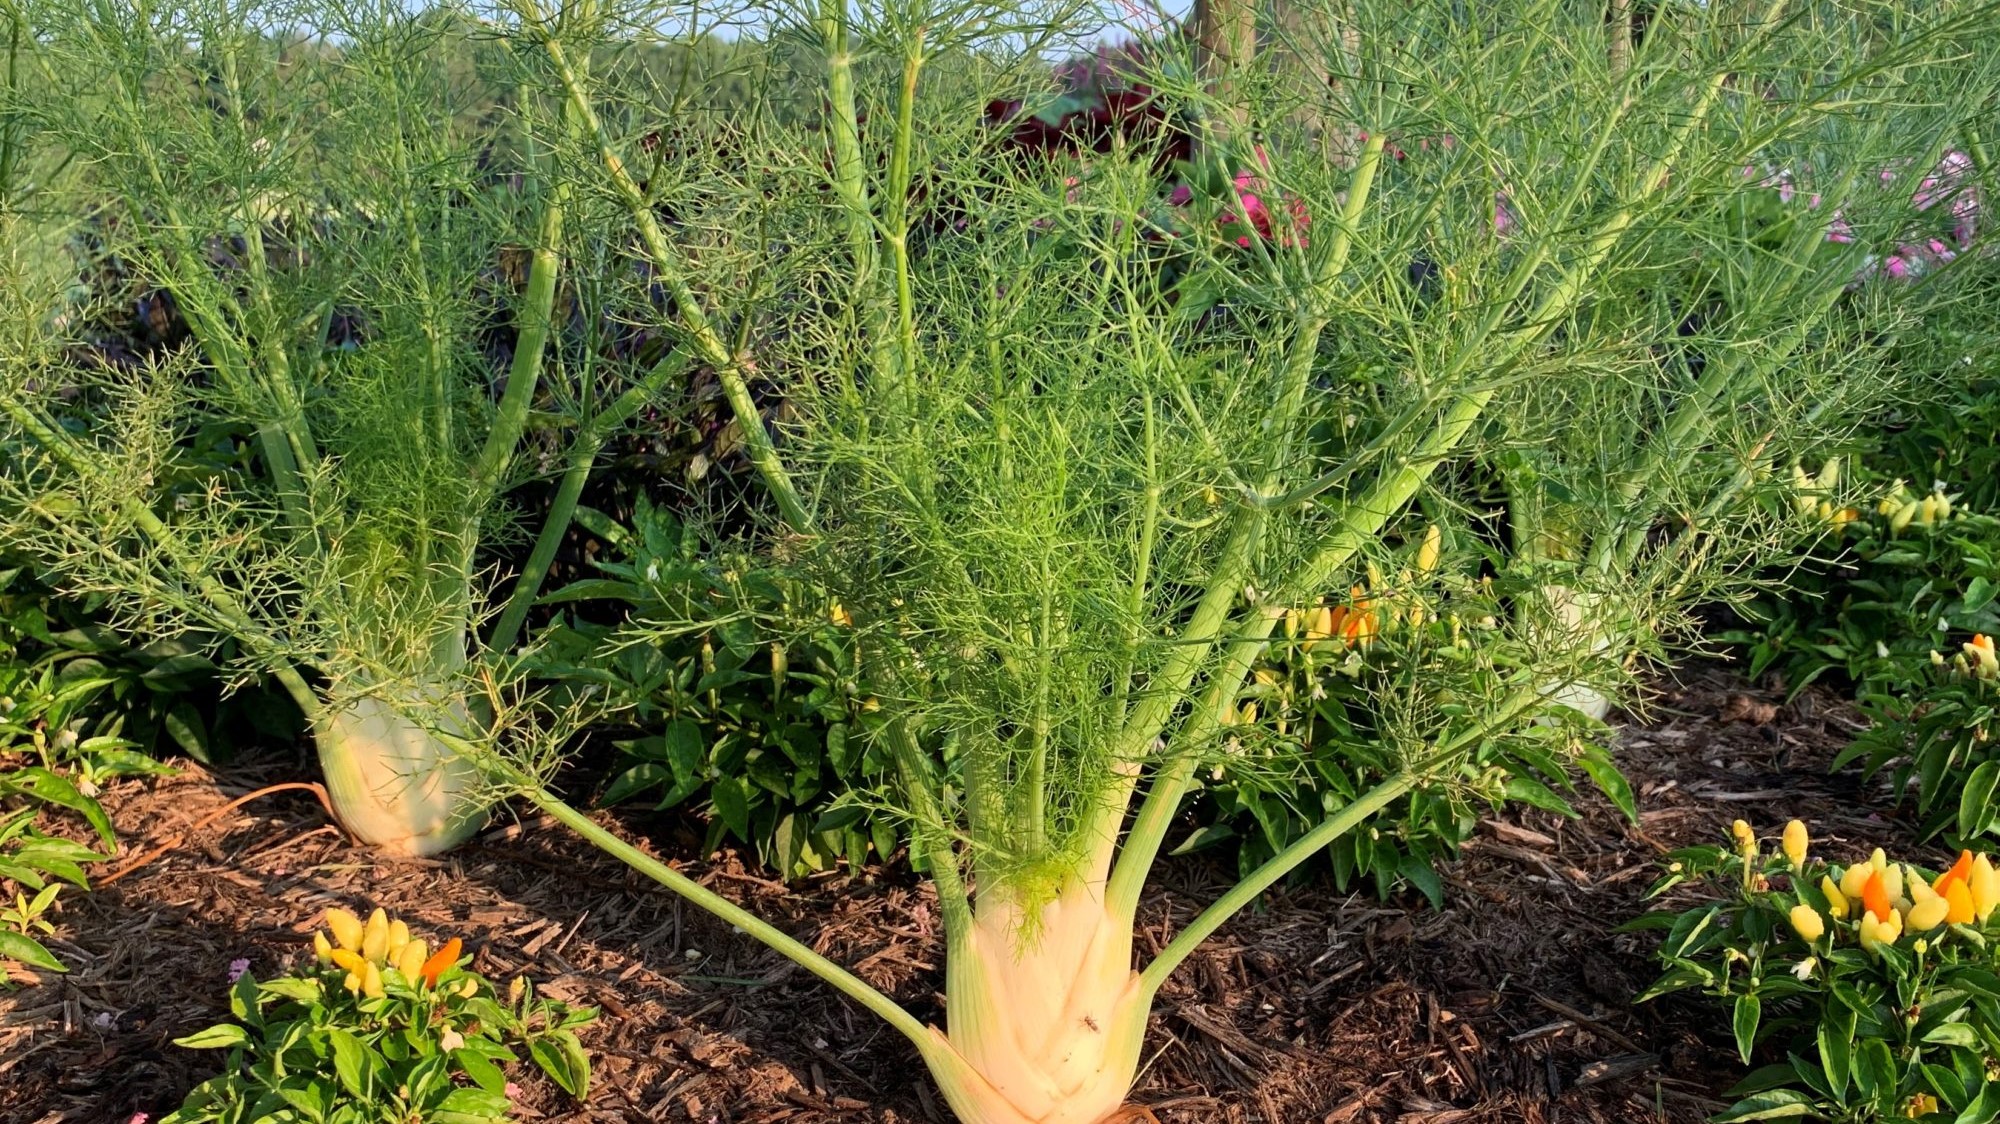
1960,872
1875,897
440,961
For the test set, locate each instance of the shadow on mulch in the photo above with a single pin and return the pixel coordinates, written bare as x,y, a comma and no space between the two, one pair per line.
1510,1005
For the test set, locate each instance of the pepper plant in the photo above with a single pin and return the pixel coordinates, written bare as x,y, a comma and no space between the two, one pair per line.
1069,511
382,1029
1876,981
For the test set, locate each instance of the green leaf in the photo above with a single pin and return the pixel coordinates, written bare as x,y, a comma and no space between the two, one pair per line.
732,804
1749,1009
54,788
483,1073
350,1062
562,1057
218,1037
1596,762
1836,1047
183,724
1418,872
14,946
1975,800
1984,1109
1953,1034
1536,794
1773,1104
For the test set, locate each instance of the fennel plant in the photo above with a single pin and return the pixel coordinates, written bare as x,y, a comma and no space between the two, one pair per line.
1068,496
320,474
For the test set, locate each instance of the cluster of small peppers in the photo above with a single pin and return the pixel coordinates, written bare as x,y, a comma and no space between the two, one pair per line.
367,949
1878,902
1812,496
1975,659
1356,623
1902,509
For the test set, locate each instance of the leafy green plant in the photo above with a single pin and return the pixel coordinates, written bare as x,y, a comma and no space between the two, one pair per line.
741,684
384,1031
33,861
1875,982
1068,511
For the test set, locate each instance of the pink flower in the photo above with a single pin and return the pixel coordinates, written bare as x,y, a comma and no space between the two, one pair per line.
1503,214
1180,196
237,967
1258,214
513,1091
138,1118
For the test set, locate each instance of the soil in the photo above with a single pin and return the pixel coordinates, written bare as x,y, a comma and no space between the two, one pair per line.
1512,1004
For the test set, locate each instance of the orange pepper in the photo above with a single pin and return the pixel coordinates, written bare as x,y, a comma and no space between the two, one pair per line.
440,961
1960,872
1875,897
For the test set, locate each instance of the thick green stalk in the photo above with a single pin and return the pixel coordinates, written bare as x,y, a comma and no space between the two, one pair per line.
562,509
898,206
531,342
846,982
849,181
1516,705
729,368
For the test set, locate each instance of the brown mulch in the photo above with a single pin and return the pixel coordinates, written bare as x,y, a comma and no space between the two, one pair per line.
1510,1005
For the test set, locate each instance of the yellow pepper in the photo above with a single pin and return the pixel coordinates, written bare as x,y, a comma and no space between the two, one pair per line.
375,936
410,961
1807,922
1427,554
371,980
322,951
1855,878
1928,914
346,928
1985,886
1796,841
399,935
1836,901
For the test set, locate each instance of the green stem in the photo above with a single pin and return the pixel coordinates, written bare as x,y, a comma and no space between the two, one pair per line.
849,182
562,509
729,368
1518,703
532,330
846,982
1265,876
898,205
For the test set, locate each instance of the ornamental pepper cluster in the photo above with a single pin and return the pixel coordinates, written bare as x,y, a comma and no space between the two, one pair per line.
1356,623
367,950
1877,903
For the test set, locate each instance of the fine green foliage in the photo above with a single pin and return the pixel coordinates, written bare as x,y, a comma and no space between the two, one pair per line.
1870,1026
309,1047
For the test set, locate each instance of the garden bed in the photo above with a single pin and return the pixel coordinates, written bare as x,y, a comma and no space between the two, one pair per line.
1510,1005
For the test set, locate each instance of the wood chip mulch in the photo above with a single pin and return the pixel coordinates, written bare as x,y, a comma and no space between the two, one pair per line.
1510,1006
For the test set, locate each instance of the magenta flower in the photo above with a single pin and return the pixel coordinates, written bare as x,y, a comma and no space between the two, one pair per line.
1257,214
237,967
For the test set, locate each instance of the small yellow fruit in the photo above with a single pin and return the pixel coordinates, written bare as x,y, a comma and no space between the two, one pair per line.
375,936
322,951
1807,922
371,981
1836,901
1796,841
410,961
1928,914
346,928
